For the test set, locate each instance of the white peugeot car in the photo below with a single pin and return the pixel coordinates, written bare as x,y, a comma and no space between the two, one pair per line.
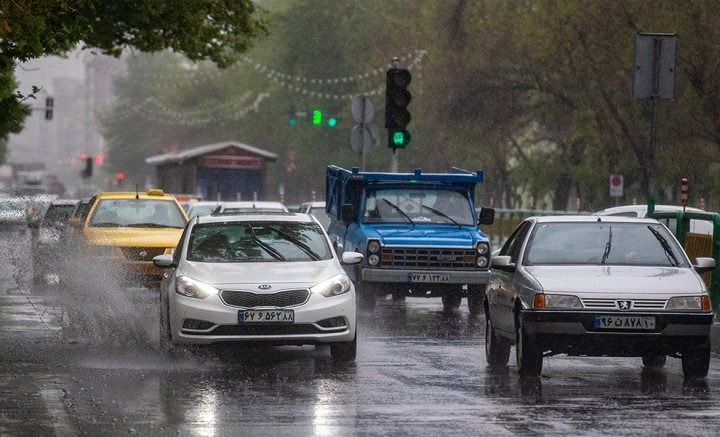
260,277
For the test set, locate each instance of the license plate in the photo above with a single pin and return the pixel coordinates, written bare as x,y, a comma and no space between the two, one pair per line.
428,277
266,316
624,322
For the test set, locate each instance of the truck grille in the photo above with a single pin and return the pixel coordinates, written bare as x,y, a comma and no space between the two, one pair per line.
247,299
428,258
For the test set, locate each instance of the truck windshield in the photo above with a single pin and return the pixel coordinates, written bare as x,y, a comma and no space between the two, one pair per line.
418,205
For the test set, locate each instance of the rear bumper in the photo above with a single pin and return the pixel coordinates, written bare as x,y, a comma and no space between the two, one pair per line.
575,333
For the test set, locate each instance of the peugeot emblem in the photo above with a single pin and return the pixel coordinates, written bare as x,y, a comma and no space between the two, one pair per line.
142,254
624,305
264,287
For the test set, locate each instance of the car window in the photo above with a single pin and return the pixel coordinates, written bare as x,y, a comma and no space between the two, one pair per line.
514,243
137,213
601,243
257,242
57,214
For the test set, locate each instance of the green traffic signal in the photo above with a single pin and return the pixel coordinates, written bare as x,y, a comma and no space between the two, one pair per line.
332,122
398,139
292,121
317,117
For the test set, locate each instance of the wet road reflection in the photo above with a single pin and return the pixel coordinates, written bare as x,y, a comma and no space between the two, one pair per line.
79,361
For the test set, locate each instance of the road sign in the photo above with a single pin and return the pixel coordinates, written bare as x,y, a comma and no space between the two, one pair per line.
361,139
362,109
654,76
616,185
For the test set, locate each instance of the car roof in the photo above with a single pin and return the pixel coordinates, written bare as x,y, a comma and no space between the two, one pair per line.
591,218
261,217
643,209
152,194
264,204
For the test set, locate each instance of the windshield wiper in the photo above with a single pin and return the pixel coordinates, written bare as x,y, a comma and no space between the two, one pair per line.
608,245
269,249
304,247
151,225
666,247
441,214
397,208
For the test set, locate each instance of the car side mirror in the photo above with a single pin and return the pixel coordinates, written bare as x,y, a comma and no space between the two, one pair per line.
164,261
352,257
347,212
503,262
486,216
704,264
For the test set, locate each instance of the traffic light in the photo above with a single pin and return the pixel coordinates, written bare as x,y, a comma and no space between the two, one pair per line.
397,98
332,121
88,170
292,116
317,117
119,177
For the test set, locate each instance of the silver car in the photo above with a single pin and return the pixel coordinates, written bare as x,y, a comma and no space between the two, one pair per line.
597,286
258,277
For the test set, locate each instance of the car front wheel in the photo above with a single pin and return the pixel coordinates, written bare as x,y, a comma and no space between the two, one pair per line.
344,352
528,355
696,363
497,350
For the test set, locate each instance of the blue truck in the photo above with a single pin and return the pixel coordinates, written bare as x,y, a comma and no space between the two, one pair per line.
419,233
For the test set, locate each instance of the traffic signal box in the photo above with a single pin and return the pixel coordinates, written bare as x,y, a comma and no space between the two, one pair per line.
397,98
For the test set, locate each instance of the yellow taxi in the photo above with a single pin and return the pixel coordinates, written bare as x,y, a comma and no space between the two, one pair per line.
127,229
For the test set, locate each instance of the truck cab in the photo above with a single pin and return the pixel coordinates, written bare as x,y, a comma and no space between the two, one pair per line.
419,233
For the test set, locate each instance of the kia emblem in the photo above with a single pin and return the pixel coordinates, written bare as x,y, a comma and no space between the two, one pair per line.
264,287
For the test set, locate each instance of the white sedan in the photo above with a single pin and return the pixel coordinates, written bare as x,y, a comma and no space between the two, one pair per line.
597,286
273,278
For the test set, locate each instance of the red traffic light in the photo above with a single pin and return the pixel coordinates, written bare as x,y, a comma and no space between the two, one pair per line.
99,159
119,176
83,156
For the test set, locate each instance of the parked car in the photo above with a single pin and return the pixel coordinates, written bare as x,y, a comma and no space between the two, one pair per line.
697,226
596,285
318,210
125,230
258,277
49,245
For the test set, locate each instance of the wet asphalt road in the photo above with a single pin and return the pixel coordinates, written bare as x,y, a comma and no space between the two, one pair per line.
87,363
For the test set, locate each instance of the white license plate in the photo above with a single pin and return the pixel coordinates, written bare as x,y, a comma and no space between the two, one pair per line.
428,277
624,322
266,316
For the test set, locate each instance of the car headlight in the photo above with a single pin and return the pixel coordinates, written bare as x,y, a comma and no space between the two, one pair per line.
189,287
689,303
339,284
556,301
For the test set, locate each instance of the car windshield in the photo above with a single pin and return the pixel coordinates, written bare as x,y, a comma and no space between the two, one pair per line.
257,242
603,243
422,205
57,214
137,213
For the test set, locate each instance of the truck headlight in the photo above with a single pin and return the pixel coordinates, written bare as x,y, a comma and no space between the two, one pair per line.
373,246
339,284
189,287
689,303
482,248
373,260
481,261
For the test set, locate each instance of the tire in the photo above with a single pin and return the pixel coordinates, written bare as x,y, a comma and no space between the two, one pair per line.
475,297
497,350
696,363
654,361
365,296
528,355
166,344
344,352
451,302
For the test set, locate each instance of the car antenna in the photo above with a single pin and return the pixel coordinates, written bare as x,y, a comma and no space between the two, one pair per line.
599,219
137,192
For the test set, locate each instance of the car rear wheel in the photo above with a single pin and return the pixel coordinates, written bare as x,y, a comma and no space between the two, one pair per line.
696,363
497,350
528,354
654,361
451,301
344,352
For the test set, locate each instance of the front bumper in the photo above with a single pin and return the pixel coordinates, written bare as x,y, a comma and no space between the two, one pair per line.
425,277
226,328
574,333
